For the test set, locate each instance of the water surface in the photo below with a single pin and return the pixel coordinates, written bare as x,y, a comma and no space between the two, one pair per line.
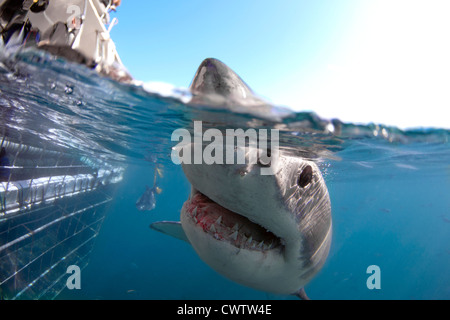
389,187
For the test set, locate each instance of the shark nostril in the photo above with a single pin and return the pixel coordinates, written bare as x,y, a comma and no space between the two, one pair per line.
305,177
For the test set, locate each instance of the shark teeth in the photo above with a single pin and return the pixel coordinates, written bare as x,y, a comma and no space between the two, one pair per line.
224,226
242,241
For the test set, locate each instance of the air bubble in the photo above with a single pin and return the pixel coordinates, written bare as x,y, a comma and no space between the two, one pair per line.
243,173
68,89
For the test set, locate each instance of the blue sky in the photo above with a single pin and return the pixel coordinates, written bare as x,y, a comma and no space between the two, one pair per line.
382,61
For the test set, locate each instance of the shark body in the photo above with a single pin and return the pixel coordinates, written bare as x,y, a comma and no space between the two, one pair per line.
269,232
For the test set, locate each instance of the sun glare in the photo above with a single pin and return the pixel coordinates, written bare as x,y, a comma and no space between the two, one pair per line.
394,69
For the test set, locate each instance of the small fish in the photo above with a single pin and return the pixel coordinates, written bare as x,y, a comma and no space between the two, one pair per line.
147,201
160,172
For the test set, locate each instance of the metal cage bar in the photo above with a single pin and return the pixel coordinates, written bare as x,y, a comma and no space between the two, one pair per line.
52,206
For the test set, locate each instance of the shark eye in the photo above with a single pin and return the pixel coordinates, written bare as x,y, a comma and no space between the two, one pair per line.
305,177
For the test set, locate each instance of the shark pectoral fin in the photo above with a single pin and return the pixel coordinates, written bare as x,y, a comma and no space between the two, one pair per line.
171,228
301,294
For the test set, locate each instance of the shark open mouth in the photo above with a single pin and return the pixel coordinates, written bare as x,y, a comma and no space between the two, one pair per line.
226,225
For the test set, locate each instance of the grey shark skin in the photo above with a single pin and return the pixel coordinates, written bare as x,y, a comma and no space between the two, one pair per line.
269,232
214,82
217,86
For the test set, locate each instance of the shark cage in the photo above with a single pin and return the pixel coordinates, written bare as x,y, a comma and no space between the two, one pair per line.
52,206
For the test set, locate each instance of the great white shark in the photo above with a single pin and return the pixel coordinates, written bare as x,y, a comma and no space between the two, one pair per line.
269,232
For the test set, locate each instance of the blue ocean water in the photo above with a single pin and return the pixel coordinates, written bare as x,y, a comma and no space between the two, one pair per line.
389,188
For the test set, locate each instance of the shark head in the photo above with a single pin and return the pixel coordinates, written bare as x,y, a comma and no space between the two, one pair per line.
268,232
271,232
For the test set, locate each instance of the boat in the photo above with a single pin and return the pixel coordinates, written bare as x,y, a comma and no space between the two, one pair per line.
77,30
